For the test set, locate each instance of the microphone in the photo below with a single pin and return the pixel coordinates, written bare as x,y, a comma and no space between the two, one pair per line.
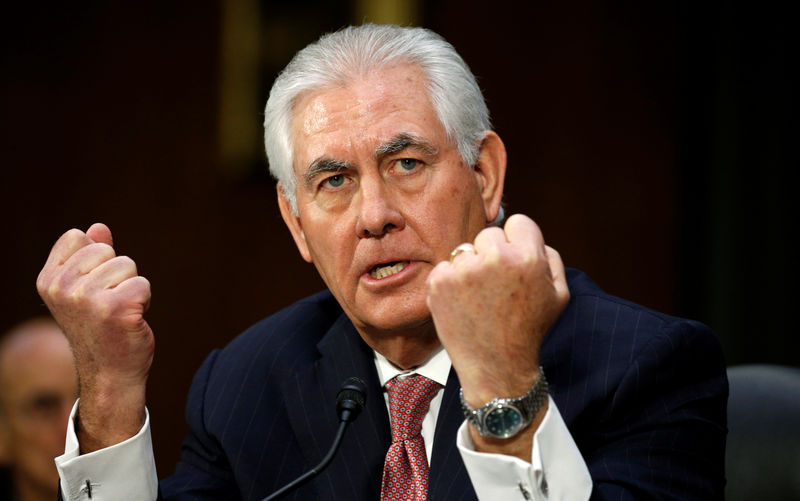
349,402
350,399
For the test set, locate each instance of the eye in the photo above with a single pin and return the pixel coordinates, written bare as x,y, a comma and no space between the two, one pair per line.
408,164
334,181
45,405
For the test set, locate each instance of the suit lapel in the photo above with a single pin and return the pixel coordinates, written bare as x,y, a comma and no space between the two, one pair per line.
448,476
310,396
355,473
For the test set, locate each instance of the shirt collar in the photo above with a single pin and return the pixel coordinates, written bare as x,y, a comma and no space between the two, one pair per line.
436,368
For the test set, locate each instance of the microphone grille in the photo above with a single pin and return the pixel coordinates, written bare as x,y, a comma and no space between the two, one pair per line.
352,390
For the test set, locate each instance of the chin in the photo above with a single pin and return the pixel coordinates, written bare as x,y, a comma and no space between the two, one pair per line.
394,317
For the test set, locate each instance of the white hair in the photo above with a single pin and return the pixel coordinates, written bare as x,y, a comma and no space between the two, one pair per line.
340,57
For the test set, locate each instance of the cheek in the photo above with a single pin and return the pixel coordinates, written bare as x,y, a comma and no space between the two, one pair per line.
463,208
459,200
330,240
332,251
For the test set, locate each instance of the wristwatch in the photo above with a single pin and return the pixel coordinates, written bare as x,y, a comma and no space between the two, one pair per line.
505,417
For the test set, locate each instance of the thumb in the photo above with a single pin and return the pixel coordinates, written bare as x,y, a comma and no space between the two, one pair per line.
100,233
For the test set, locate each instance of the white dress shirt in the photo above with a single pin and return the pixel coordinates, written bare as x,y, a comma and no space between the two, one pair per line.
127,471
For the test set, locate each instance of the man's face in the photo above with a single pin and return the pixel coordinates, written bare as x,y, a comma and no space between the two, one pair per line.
382,196
38,386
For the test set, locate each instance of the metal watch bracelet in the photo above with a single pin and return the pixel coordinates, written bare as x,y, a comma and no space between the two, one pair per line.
507,416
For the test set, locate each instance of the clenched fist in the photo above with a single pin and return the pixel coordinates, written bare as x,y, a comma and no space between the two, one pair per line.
99,300
492,308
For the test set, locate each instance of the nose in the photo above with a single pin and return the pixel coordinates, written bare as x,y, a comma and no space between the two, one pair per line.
378,213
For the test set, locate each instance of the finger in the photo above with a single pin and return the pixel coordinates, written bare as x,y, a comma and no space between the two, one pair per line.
65,247
87,258
466,248
557,272
521,231
489,240
100,233
136,290
434,276
113,272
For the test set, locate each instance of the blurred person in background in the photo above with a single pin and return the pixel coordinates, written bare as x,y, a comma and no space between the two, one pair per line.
38,386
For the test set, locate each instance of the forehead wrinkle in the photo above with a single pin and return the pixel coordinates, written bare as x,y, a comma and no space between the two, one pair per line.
323,164
405,140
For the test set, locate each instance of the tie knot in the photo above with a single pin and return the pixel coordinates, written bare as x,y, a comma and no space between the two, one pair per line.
409,400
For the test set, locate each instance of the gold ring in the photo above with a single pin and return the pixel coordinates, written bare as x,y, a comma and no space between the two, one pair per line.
462,248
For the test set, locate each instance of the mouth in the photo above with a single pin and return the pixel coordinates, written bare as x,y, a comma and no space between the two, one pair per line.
388,269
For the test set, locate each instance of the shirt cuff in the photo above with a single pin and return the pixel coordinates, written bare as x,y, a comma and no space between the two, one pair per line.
124,471
556,471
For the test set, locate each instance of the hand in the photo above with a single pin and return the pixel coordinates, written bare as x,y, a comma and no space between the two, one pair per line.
492,309
99,301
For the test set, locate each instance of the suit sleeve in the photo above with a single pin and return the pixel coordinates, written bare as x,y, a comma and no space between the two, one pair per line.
203,471
662,434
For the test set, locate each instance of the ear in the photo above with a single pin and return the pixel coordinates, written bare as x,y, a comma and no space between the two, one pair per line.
490,170
294,224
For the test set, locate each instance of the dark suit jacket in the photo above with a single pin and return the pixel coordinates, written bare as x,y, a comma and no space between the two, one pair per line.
642,393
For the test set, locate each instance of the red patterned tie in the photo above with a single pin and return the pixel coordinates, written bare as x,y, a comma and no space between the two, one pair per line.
405,472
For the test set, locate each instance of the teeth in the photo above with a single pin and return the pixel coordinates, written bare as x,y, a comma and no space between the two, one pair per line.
384,271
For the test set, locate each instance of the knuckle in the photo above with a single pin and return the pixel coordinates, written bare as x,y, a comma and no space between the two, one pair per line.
127,261
141,289
53,290
532,260
439,278
494,259
41,283
72,237
104,310
500,254
465,275
145,284
73,234
137,289
104,249
78,294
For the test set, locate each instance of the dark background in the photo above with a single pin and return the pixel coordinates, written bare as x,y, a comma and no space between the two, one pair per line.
650,142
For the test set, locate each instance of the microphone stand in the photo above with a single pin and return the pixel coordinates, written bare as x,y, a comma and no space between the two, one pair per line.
349,403
313,471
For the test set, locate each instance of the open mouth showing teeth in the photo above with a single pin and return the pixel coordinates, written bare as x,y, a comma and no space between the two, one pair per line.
384,270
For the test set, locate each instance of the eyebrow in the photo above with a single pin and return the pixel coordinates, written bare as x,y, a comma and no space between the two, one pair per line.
324,164
405,140
396,144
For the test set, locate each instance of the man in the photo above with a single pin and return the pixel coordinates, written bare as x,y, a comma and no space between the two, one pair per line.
37,389
389,180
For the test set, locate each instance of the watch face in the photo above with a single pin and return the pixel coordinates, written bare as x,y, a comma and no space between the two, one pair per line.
503,421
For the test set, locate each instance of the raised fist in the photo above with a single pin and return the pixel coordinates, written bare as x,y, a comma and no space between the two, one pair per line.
99,301
492,306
